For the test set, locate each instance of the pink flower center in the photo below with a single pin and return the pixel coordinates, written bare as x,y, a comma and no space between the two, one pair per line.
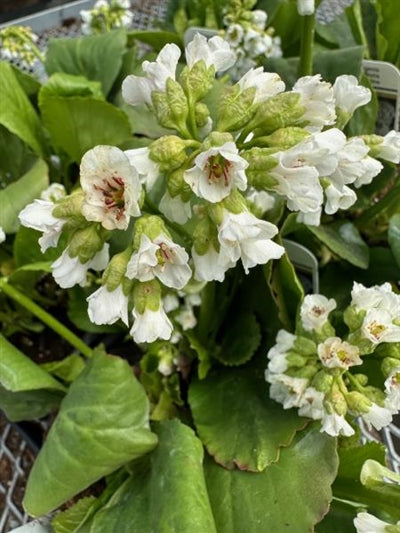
217,168
113,190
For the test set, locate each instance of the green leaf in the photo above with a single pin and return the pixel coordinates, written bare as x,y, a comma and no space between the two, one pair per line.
67,369
27,251
164,494
15,157
17,113
97,57
102,424
339,519
345,241
155,38
60,84
202,353
69,520
26,390
394,236
290,496
236,420
333,63
20,193
387,31
86,122
241,339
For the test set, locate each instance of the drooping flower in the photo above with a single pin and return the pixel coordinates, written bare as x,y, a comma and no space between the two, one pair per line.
315,310
318,101
392,390
338,198
111,186
348,94
267,84
212,265
335,353
150,325
286,390
137,90
216,172
106,307
334,425
214,52
243,236
377,416
38,215
69,271
160,258
389,148
367,523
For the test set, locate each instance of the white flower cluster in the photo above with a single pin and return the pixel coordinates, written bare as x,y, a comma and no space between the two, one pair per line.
192,200
106,15
18,43
314,369
245,31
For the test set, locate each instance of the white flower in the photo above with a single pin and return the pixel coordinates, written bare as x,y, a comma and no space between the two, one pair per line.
106,307
262,200
170,302
186,318
69,271
335,425
315,310
335,353
377,416
378,326
378,296
214,52
259,18
312,404
216,172
160,258
174,208
111,186
137,89
267,84
254,43
317,98
392,390
147,169
367,523
38,215
287,390
150,325
234,34
2,235
389,149
305,7
54,192
243,236
277,354
348,94
338,198
212,265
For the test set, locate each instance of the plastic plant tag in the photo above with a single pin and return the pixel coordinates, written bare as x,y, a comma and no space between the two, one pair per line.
305,263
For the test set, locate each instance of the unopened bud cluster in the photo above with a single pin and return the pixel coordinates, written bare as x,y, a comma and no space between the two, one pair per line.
328,377
18,43
106,16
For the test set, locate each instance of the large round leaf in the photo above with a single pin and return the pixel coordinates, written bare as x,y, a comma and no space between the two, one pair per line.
166,493
102,424
290,496
236,420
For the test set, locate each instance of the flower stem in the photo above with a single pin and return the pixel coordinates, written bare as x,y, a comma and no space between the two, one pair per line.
306,47
45,317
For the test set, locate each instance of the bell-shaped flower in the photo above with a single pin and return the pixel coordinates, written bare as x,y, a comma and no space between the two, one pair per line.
69,271
389,148
160,258
348,94
258,18
150,325
212,265
377,416
334,425
335,353
147,169
111,187
338,197
217,172
137,90
214,52
286,390
368,523
267,84
318,100
106,307
243,236
315,310
38,215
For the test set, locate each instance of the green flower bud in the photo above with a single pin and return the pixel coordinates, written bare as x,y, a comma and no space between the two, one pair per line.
353,318
204,235
235,108
216,213
169,152
235,202
373,475
114,274
86,242
177,185
280,111
389,350
284,138
336,398
357,402
216,138
260,162
202,114
307,372
361,378
151,226
322,381
388,365
177,101
147,295
162,110
295,360
70,206
373,142
305,346
197,81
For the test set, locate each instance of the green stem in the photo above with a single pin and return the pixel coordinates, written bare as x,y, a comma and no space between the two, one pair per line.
354,382
306,47
45,317
207,311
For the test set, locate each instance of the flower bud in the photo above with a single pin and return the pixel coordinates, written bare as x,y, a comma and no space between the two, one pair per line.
284,138
177,185
114,274
70,206
337,399
353,318
236,108
216,138
204,234
234,203
260,162
322,381
151,226
86,242
280,111
388,365
147,295
304,346
202,114
198,80
357,402
169,152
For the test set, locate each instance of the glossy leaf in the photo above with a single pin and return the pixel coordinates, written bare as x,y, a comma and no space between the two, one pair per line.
236,420
17,113
345,241
155,38
166,493
240,341
387,31
20,193
97,57
86,122
15,157
102,424
339,518
333,63
290,496
394,237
